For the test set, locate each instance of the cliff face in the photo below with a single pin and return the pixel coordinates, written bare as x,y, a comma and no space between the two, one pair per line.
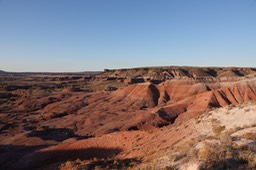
200,73
186,99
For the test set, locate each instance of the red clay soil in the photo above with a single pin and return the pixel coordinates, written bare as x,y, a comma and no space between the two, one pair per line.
131,122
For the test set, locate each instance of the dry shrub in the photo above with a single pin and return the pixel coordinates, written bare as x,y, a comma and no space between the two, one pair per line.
229,107
219,157
214,120
247,110
217,129
197,120
68,166
184,150
99,164
226,156
230,131
249,157
204,153
226,138
250,135
250,147
240,106
216,152
169,168
237,128
175,157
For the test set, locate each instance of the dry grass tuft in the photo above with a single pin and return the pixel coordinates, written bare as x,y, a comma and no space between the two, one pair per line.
217,128
250,135
249,157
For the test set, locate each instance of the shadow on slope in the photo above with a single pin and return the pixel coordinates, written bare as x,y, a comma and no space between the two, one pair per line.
25,157
56,134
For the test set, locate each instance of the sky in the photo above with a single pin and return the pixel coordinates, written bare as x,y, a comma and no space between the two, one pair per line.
91,35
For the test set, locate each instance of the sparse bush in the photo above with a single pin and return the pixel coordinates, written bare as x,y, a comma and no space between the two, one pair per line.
197,120
247,110
250,135
226,138
219,157
68,165
229,107
177,156
217,129
249,157
237,128
214,120
240,106
204,153
96,163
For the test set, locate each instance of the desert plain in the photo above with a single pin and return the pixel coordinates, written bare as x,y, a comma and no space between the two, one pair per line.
140,118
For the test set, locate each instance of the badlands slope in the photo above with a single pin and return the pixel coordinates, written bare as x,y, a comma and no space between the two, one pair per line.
144,118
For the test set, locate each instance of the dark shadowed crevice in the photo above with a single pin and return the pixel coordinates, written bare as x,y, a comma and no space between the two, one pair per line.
133,128
42,158
56,134
156,93
167,117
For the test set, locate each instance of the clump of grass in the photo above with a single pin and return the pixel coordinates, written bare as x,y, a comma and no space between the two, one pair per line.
204,153
225,155
72,165
240,106
197,120
214,120
237,128
229,107
249,157
222,156
217,128
247,110
250,135
226,138
96,163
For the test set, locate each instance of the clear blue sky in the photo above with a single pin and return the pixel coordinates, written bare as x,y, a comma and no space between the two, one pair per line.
79,35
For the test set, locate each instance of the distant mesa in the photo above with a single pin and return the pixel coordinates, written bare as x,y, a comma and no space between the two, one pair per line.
157,75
